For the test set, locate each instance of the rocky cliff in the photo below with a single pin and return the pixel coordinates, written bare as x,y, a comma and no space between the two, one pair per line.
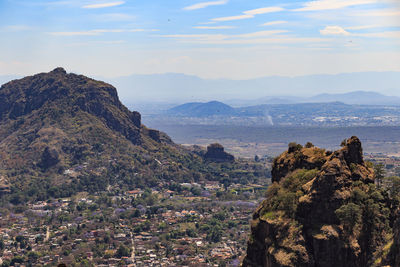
323,209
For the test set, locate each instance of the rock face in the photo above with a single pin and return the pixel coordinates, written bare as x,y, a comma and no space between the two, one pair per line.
216,153
322,210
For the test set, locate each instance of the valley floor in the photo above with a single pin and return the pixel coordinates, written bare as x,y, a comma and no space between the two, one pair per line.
247,141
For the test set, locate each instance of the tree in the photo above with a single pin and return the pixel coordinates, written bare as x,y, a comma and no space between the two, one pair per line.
191,232
293,147
349,215
33,256
215,234
122,251
196,191
393,185
309,145
379,173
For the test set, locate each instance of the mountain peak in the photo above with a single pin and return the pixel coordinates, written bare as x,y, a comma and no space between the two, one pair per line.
198,109
71,133
59,70
58,93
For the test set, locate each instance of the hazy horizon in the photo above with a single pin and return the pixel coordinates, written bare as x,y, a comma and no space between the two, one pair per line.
228,39
171,88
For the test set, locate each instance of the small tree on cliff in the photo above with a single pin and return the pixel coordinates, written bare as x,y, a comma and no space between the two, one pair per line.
293,147
349,215
379,173
309,145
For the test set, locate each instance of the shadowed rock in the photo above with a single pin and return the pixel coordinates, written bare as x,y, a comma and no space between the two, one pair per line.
216,153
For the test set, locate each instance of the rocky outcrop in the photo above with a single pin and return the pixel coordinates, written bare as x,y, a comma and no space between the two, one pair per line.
297,157
216,153
322,210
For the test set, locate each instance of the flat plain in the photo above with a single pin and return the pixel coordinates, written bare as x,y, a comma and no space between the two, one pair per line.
247,141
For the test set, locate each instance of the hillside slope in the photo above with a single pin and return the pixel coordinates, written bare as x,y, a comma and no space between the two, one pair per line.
63,133
322,210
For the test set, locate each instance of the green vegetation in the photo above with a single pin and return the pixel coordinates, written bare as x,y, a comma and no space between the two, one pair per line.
284,196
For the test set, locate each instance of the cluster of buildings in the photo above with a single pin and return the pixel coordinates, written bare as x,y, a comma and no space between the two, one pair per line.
125,230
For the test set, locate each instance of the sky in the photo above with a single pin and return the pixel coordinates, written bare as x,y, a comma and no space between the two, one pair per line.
233,39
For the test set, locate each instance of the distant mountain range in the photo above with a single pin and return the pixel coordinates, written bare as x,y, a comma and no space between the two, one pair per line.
292,114
180,88
156,92
351,98
333,105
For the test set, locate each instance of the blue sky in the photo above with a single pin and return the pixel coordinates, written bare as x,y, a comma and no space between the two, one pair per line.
236,39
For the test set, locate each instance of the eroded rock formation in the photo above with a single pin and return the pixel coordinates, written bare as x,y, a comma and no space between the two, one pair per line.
216,153
322,210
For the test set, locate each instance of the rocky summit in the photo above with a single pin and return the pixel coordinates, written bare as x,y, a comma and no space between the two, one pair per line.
216,153
323,209
62,133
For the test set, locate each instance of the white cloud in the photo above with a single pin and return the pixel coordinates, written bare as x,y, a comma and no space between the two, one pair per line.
250,13
274,23
334,30
380,13
263,10
337,30
386,34
259,41
205,4
260,37
113,42
226,36
114,17
99,32
260,34
214,27
104,5
81,33
206,23
234,18
362,27
332,4
203,37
